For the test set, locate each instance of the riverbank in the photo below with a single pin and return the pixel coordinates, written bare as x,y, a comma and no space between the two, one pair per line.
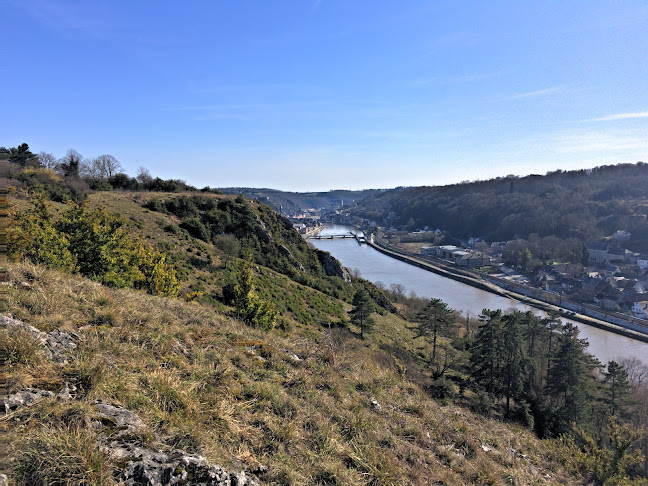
475,280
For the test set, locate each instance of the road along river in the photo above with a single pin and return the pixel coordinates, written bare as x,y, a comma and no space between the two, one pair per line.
378,267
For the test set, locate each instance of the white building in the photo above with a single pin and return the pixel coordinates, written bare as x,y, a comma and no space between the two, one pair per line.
640,309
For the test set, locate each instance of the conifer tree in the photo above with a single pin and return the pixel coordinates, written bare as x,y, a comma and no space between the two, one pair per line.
552,323
568,380
434,319
513,358
534,334
250,307
361,313
617,387
485,352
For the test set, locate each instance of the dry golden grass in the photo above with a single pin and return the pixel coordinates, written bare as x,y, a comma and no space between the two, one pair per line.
209,384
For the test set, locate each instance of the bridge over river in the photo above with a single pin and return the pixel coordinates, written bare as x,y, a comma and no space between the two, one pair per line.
359,237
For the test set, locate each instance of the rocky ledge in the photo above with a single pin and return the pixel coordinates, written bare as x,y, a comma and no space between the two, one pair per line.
117,431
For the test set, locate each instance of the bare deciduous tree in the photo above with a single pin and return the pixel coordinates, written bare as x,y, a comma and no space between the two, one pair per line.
47,160
144,175
229,245
104,167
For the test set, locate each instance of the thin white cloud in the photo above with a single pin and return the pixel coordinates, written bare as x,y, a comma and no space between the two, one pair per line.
620,116
85,19
632,144
450,80
537,93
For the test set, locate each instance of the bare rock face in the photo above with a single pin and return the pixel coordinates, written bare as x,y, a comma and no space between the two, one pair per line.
262,232
286,252
25,398
10,323
115,430
178,467
56,343
59,342
119,416
332,266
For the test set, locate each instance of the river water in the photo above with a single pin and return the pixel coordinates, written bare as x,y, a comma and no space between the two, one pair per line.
378,267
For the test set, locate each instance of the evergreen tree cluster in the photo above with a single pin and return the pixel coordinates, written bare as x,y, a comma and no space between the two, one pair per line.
251,308
540,368
91,242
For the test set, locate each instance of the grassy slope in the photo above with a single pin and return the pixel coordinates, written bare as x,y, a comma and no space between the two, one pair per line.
208,383
201,265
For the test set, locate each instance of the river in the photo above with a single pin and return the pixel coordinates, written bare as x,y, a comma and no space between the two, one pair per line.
378,267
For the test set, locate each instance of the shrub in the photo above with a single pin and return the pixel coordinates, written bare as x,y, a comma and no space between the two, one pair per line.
443,389
92,242
101,185
196,229
32,236
249,306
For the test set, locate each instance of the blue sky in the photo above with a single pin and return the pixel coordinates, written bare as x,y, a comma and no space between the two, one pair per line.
317,95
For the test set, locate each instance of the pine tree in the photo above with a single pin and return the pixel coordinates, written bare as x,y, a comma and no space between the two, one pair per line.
617,387
513,359
568,380
485,352
552,323
434,319
361,312
251,308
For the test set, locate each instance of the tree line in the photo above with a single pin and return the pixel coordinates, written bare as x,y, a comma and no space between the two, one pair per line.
582,204
73,176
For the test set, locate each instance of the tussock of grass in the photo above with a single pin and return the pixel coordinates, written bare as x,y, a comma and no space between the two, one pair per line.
211,385
60,455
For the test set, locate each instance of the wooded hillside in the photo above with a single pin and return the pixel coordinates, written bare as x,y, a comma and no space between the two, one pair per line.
585,204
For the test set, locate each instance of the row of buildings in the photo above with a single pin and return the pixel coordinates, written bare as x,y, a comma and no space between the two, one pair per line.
306,225
462,257
616,279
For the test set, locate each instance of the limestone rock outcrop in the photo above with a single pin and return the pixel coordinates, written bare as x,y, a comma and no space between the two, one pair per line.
332,266
56,343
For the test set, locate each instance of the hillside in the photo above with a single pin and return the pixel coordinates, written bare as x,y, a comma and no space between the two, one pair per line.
293,202
154,334
583,204
314,408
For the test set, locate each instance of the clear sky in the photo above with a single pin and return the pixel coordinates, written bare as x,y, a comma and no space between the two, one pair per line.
317,95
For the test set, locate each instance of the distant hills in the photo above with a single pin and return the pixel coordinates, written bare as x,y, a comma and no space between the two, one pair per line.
290,202
583,204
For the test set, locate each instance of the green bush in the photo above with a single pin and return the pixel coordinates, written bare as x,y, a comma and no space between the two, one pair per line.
94,243
250,307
